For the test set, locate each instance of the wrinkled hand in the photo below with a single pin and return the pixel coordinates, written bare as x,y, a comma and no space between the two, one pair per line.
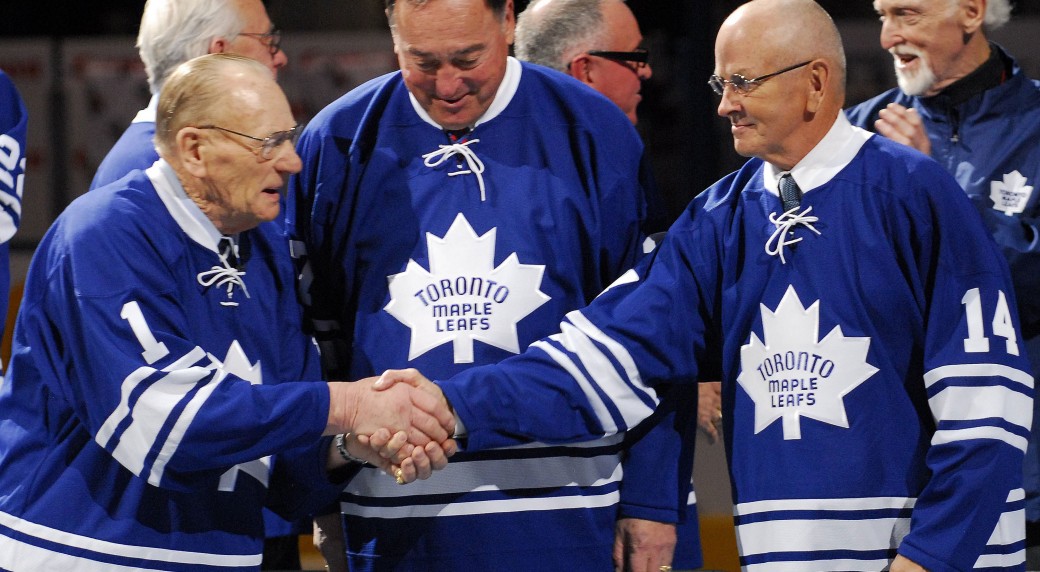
903,125
402,460
357,408
904,564
709,409
643,545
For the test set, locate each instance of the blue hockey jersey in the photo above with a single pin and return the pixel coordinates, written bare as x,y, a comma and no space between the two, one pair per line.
989,144
135,149
439,254
146,395
876,392
13,121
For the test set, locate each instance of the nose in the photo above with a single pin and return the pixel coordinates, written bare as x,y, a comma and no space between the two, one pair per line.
729,102
278,60
288,161
645,72
448,84
891,35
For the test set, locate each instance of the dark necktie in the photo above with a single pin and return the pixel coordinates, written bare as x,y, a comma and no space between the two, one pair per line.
458,134
227,250
790,194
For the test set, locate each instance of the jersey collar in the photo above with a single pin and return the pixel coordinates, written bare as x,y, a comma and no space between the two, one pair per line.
504,95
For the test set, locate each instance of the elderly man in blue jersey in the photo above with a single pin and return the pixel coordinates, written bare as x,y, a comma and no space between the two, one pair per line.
452,213
965,101
13,121
173,32
877,397
161,391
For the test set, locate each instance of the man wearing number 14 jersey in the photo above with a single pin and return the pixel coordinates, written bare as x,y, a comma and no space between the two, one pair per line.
876,395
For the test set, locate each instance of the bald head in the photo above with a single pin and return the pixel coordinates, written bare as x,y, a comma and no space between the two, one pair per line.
793,51
205,90
786,31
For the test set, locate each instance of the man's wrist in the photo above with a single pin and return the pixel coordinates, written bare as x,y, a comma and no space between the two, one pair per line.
340,443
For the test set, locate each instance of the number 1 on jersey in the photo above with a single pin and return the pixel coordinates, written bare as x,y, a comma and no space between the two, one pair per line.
153,348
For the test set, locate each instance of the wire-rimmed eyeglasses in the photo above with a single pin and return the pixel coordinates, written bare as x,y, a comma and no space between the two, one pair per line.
639,56
743,85
272,39
268,145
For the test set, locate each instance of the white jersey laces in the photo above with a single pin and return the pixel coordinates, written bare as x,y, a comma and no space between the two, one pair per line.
227,277
434,159
785,223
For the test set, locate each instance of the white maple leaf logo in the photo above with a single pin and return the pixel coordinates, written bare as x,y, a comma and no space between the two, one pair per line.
236,363
1011,195
794,375
464,297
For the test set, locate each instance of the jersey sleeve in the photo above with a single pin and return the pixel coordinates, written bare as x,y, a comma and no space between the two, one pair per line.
979,390
111,337
583,382
13,122
658,460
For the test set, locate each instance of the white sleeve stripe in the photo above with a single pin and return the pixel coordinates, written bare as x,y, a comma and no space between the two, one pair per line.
603,373
946,436
969,403
978,370
173,440
150,413
130,384
842,504
617,350
1016,495
600,410
122,410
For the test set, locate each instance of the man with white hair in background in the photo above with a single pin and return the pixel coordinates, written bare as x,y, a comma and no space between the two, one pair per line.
965,101
597,42
173,32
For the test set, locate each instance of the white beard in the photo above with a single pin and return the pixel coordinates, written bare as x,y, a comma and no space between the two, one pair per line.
917,82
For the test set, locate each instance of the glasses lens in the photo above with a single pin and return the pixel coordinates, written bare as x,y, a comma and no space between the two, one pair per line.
274,41
716,84
740,83
272,143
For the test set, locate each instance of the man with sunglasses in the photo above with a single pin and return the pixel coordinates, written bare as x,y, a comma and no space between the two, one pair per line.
173,32
877,397
450,214
595,41
162,391
966,102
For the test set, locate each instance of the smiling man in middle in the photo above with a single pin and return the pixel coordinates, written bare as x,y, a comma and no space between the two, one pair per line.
448,215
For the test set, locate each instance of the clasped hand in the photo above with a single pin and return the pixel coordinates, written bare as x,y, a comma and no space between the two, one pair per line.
405,429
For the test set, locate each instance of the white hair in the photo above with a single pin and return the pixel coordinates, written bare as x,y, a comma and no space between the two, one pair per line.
552,32
175,31
998,12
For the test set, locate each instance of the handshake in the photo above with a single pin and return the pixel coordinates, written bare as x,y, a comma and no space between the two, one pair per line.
399,422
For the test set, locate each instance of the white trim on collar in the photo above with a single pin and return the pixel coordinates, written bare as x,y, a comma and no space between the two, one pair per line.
147,115
188,215
504,95
836,150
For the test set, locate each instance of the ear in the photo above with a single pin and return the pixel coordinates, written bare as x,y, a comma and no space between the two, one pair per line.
972,14
819,84
219,45
191,152
510,22
579,69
